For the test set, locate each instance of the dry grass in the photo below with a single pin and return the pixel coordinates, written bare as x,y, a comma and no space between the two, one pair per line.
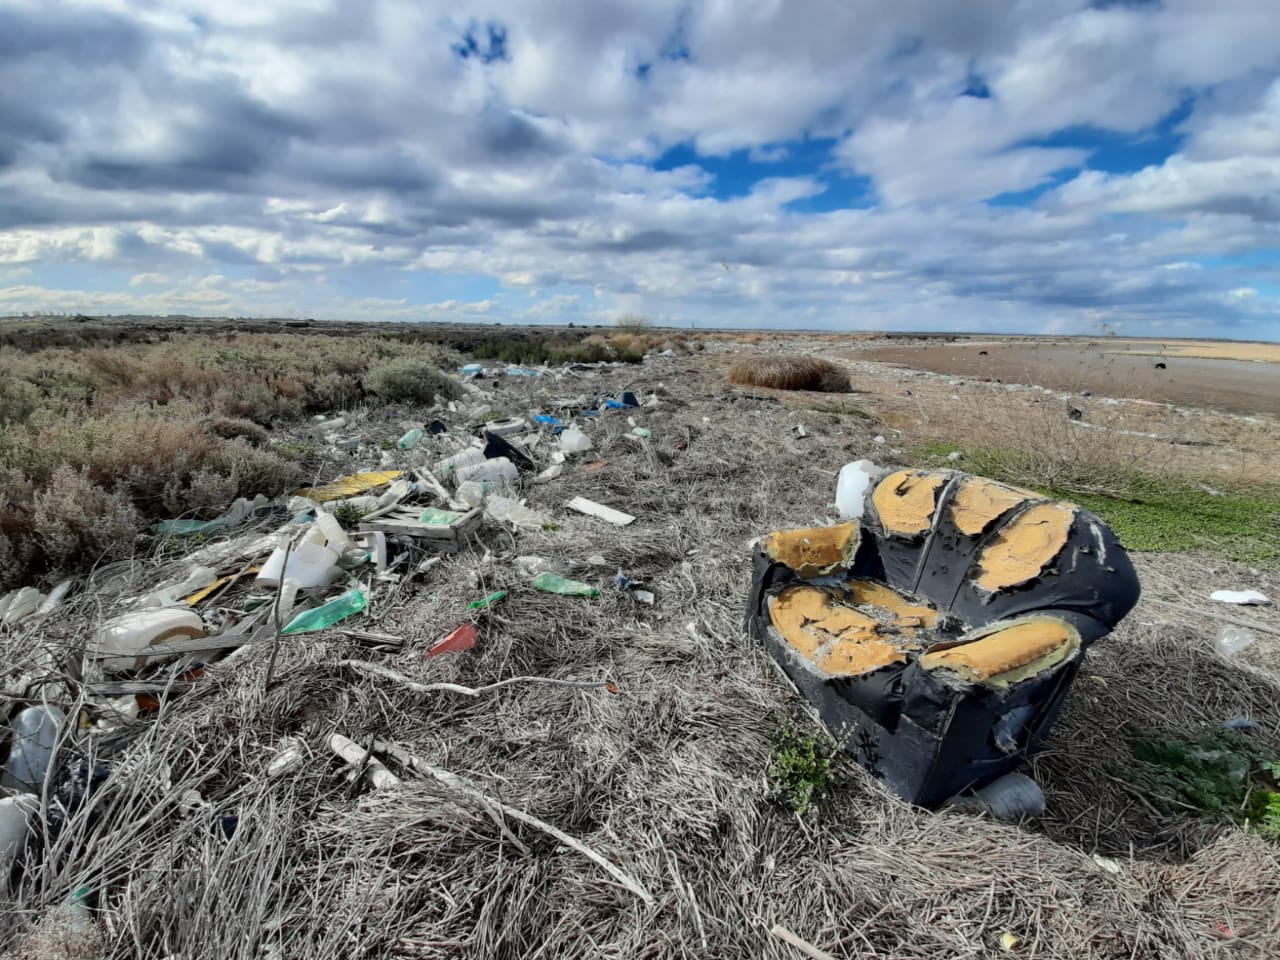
790,373
666,778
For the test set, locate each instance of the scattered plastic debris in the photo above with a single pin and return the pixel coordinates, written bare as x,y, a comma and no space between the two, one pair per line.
327,614
459,639
851,487
608,514
554,583
485,602
1232,639
33,739
1245,597
573,440
121,639
351,486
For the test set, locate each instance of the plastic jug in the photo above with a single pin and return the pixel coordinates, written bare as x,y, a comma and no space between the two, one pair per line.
128,635
310,564
851,488
498,470
31,748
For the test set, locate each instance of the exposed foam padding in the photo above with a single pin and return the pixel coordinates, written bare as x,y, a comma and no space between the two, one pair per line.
815,551
837,639
1006,653
905,501
902,612
978,501
1024,546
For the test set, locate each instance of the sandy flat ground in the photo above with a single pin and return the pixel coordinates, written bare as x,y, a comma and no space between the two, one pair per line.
1119,369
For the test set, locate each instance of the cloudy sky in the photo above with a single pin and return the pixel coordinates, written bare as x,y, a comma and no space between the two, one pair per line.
1040,166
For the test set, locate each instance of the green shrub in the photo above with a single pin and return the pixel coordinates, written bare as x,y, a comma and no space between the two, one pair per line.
801,768
1221,775
406,380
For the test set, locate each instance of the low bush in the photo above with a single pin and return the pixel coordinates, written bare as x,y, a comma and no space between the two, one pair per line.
100,437
405,380
802,767
790,373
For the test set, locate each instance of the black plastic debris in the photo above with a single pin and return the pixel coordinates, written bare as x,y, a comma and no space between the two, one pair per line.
496,446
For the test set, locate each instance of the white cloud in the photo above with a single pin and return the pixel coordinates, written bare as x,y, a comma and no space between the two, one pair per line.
265,157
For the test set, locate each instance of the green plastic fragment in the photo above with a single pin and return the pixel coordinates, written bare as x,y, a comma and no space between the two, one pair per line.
439,518
327,614
488,601
552,583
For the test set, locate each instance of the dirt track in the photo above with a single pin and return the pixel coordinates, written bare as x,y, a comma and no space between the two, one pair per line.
1235,386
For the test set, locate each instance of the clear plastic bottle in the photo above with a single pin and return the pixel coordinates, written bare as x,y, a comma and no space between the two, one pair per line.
327,614
410,439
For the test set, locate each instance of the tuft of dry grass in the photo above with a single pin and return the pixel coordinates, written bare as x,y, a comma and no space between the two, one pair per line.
790,373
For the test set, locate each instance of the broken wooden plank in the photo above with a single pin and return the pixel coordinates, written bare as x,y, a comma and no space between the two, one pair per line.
449,538
593,509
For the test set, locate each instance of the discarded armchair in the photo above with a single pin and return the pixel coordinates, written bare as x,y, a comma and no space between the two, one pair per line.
938,635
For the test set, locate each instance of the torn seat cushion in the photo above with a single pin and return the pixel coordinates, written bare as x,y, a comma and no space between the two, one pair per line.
940,634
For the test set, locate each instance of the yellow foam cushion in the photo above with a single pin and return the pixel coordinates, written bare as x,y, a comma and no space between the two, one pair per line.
815,551
1007,653
1024,546
906,500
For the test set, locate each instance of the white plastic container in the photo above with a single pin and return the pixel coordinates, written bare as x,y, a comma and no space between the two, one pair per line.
15,824
497,470
506,428
573,440
310,564
852,486
128,635
460,460
31,748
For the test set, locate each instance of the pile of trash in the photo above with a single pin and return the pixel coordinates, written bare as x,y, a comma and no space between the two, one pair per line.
268,569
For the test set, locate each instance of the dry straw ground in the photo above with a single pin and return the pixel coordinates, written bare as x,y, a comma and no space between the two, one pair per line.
664,778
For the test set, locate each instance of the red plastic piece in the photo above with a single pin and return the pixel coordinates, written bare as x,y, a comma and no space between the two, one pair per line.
463,638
